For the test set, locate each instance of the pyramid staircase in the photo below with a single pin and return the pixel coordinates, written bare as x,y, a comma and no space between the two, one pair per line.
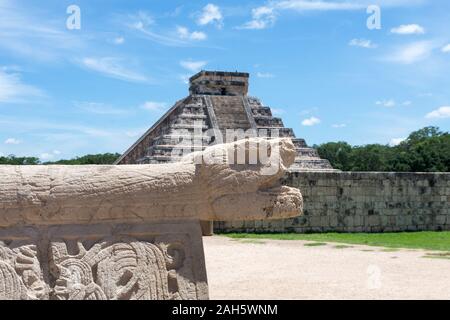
218,102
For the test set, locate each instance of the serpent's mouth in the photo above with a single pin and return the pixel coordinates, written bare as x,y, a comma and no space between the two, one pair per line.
285,202
279,202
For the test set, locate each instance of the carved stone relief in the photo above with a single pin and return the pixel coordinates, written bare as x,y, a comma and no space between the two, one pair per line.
144,266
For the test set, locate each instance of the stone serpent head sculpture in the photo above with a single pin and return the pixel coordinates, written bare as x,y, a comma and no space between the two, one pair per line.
234,181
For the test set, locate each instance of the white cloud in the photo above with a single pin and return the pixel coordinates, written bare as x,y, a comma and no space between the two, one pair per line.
154,106
12,89
265,16
12,68
386,103
311,121
29,33
396,141
363,43
210,14
440,113
264,75
408,29
12,124
411,53
194,66
407,103
339,125
143,23
112,67
119,40
184,33
262,18
46,156
307,5
12,141
198,35
49,155
142,19
446,49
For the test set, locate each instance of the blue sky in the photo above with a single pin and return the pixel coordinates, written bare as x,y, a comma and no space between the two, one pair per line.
67,92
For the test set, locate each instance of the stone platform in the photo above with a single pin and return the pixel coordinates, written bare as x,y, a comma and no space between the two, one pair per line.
131,232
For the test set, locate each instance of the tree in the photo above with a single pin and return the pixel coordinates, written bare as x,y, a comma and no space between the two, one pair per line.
373,157
338,153
422,134
13,160
425,150
104,158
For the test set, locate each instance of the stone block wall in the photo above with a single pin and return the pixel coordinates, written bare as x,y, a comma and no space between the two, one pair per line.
362,202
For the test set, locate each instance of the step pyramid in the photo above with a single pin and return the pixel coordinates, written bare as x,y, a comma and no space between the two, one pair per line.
218,106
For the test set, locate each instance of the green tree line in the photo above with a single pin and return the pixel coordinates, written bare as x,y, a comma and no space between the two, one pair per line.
104,158
425,150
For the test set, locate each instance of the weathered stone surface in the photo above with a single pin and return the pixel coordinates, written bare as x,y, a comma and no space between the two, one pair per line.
103,261
131,232
362,202
209,191
219,83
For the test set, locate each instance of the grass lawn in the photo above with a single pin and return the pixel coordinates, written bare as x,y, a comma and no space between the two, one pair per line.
411,240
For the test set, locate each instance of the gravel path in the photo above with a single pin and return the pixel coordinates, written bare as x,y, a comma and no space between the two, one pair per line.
272,269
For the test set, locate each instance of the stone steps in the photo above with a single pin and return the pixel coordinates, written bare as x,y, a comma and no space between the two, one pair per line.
279,132
230,112
302,164
268,121
307,153
179,146
261,111
177,139
299,143
179,126
192,116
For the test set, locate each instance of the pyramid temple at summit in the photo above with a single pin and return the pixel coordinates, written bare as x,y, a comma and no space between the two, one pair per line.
217,102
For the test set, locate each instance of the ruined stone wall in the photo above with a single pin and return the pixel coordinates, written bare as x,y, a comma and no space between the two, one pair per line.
362,202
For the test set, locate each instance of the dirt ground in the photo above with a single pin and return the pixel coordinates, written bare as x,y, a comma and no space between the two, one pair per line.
272,269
